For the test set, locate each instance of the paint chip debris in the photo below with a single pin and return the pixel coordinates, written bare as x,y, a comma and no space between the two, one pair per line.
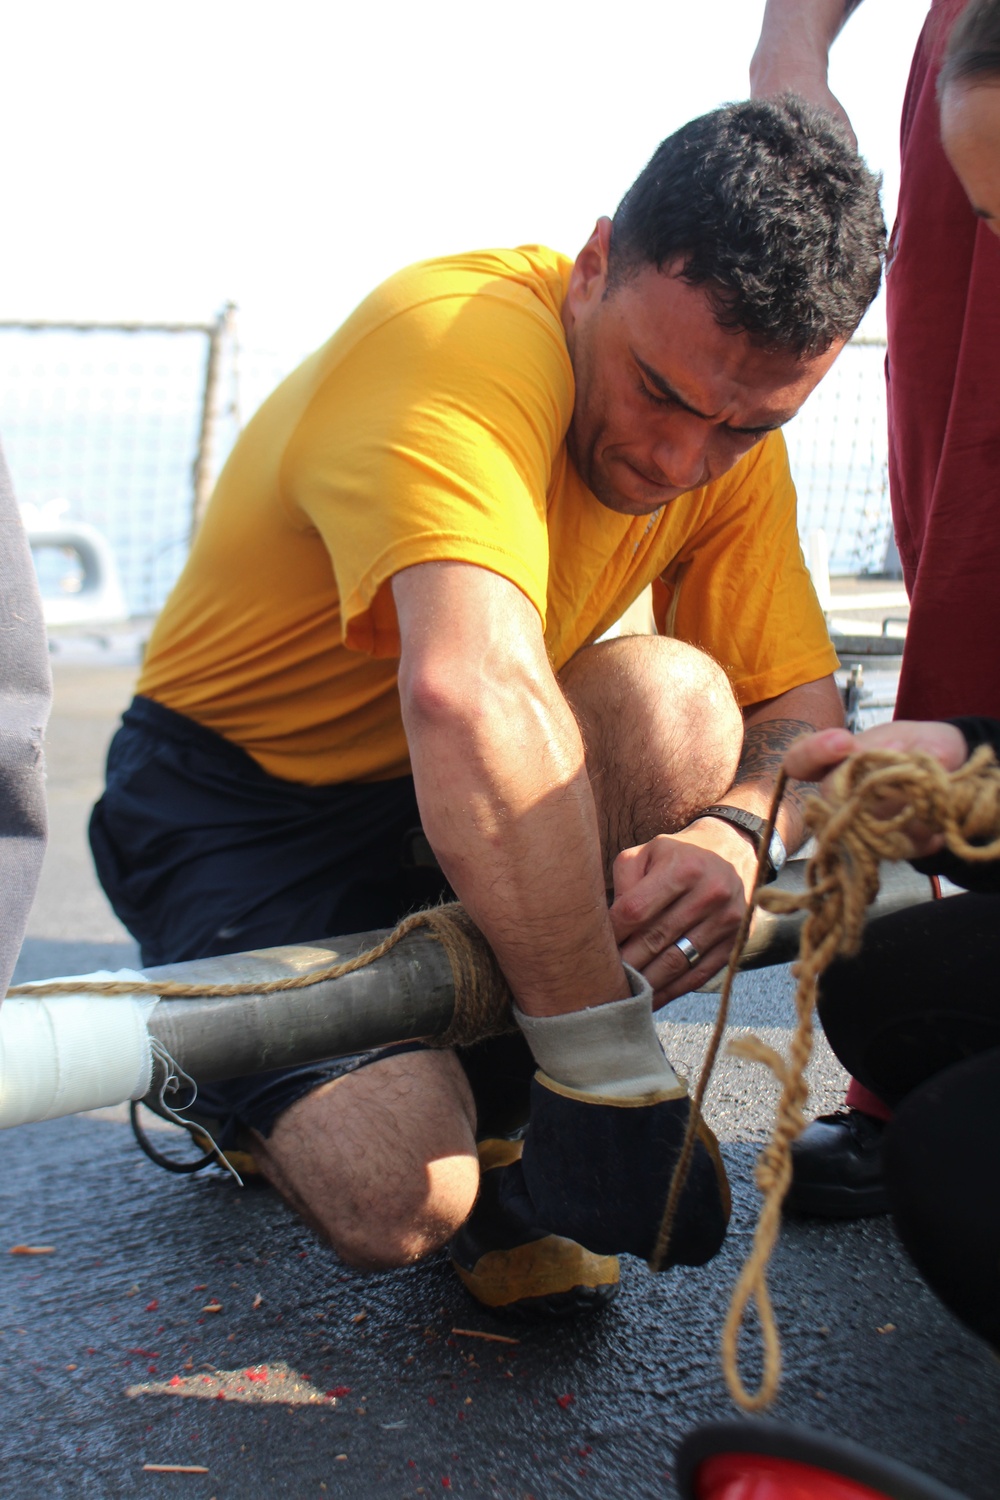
478,1333
174,1469
32,1250
886,1328
274,1384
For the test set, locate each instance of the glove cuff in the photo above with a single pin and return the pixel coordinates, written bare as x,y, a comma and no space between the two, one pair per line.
605,1051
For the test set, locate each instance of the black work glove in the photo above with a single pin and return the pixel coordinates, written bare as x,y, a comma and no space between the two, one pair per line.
608,1116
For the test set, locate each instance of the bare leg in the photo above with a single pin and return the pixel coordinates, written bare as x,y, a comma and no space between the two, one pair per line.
662,733
382,1161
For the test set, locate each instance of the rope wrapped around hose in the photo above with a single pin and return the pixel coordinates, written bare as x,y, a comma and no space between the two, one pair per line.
482,997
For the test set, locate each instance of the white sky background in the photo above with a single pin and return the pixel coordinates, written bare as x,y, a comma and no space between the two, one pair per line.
160,160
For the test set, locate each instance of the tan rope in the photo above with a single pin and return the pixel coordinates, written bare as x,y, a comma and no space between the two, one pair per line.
854,831
482,998
683,1166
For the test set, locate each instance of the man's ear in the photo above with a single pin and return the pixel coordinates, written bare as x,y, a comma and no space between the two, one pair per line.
591,269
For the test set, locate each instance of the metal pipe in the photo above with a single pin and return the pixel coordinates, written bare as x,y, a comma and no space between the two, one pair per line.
408,993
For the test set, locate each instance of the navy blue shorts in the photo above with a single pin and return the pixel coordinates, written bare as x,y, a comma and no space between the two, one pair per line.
202,852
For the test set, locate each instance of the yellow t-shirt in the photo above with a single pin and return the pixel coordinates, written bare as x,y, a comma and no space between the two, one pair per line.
432,426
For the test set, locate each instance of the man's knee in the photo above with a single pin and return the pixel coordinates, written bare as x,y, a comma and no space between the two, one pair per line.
416,1218
383,1161
659,719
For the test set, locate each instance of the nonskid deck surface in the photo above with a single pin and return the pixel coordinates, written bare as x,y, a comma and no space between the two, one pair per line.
182,1322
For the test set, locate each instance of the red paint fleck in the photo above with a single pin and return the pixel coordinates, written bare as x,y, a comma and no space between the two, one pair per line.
150,1369
90,1350
340,1390
175,1380
146,1353
152,1306
411,1463
256,1374
431,1401
220,1395
201,1287
445,1482
303,1255
566,1400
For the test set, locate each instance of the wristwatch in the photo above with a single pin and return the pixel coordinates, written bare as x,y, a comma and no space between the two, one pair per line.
753,827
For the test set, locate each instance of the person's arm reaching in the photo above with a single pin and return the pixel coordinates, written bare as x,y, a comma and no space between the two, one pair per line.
506,804
814,757
503,791
793,50
656,901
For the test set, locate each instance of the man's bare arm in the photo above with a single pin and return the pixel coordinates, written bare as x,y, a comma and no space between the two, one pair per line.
500,777
793,51
771,727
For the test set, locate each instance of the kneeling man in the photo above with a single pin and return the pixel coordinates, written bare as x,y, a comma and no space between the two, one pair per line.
380,678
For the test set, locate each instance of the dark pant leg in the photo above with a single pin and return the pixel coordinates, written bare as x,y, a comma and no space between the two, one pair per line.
942,1162
202,852
923,994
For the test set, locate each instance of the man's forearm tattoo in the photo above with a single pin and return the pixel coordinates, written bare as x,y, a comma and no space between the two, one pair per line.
764,747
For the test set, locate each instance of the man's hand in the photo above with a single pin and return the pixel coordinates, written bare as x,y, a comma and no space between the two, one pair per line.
693,884
792,53
813,757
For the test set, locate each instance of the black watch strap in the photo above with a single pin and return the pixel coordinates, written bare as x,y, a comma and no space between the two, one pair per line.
754,828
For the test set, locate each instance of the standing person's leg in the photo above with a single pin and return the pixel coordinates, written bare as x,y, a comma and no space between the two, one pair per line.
25,696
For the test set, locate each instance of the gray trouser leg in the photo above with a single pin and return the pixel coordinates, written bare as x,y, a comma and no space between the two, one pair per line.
25,696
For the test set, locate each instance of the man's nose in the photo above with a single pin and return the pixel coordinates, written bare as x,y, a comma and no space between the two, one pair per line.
681,451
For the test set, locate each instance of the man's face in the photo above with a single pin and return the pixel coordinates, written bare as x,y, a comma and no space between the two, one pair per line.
970,135
666,400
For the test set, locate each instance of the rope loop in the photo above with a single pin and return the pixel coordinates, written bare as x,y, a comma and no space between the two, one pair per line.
873,800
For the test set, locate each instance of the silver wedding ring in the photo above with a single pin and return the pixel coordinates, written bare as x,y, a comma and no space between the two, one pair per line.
688,950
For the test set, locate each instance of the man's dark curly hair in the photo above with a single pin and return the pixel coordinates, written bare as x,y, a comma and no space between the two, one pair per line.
769,208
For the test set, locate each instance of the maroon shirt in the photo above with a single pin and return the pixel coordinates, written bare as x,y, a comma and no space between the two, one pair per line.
943,370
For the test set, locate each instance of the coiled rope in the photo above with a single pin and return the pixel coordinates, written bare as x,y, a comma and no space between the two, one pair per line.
872,798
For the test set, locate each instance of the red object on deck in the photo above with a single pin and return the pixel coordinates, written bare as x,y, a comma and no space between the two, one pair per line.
766,1460
757,1476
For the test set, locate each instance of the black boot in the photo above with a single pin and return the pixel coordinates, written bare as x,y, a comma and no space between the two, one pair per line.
837,1167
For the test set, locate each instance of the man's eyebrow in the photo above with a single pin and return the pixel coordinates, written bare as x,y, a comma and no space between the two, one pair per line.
666,389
